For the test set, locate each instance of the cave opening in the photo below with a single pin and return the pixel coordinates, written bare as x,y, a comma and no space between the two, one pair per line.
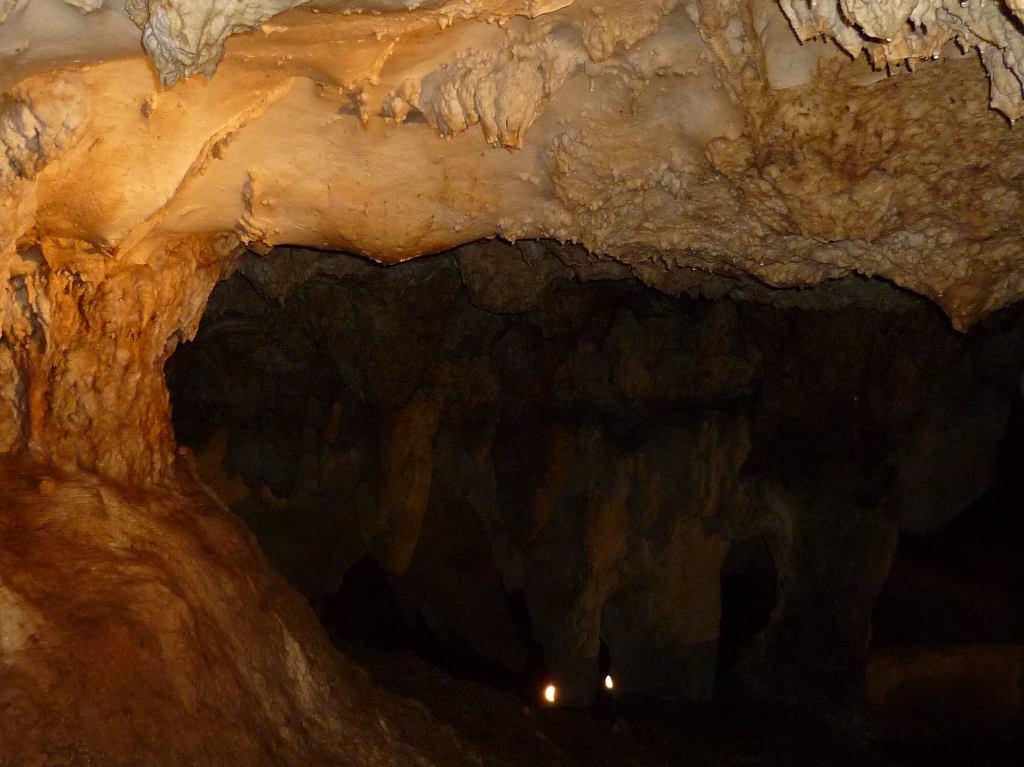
507,468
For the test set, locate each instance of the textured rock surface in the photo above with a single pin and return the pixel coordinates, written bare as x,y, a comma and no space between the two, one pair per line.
696,145
904,33
146,628
87,341
683,140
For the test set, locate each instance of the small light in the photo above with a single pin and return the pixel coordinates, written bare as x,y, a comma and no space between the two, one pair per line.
550,693
609,683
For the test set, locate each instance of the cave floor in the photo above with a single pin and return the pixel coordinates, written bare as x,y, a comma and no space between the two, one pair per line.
509,732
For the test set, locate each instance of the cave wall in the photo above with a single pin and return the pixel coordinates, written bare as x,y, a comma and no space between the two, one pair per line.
500,417
85,343
146,627
694,146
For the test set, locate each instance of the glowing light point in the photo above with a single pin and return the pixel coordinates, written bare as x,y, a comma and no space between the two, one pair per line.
550,693
609,683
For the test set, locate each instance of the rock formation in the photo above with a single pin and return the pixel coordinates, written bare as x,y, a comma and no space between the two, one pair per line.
595,445
700,147
145,628
683,140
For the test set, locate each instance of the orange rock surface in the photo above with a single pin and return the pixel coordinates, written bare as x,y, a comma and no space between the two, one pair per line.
145,627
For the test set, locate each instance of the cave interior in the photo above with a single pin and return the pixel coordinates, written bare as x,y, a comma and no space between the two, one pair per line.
666,507
511,383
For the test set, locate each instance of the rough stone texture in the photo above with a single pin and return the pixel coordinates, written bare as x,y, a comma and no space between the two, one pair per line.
697,145
904,33
88,340
146,628
11,417
185,37
683,140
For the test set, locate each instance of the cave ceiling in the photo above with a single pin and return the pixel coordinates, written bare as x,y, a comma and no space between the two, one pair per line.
789,143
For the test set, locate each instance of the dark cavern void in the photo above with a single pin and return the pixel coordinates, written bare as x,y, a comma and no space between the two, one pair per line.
729,525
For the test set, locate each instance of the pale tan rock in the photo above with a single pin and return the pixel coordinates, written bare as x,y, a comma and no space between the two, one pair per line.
186,37
905,32
647,132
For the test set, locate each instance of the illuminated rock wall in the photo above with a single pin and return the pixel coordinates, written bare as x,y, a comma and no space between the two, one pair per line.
146,628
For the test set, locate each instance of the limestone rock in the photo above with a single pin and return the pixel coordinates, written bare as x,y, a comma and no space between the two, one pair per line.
698,145
147,628
908,32
687,142
504,280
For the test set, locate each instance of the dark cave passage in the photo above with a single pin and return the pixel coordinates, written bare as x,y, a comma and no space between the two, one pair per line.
749,595
365,610
511,470
949,625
